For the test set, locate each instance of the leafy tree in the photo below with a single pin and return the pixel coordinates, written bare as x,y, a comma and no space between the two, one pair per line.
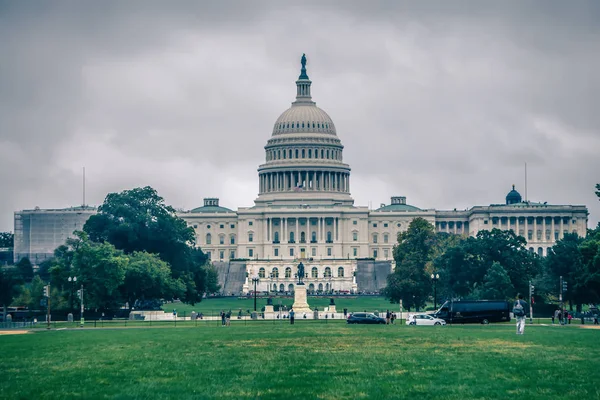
37,292
497,284
212,280
7,239
139,220
410,281
10,281
25,268
148,277
100,268
564,259
598,190
461,269
24,296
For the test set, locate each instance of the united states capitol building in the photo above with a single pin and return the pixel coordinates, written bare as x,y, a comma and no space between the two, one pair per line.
305,213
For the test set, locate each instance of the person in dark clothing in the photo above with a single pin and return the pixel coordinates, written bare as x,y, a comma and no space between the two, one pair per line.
520,313
292,316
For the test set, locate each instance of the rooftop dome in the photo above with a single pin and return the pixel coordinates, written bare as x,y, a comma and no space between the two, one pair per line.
304,116
211,205
513,197
398,204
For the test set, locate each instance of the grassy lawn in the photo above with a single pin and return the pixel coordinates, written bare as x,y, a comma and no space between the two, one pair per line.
309,360
214,305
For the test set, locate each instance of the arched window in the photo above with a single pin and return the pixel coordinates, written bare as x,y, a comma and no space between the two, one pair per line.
385,238
208,238
281,288
374,238
329,237
292,125
322,152
303,154
292,237
302,237
290,288
221,239
328,154
284,154
288,272
274,287
276,237
314,272
250,236
531,250
540,251
311,288
309,153
275,272
341,272
296,153
320,287
327,272
313,238
232,239
278,154
261,273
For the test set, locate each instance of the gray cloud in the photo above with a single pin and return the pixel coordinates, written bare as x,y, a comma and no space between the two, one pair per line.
441,102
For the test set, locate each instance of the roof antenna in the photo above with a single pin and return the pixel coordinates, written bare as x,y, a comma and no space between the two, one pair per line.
83,205
526,181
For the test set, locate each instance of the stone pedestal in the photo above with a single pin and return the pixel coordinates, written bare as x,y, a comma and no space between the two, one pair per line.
268,309
300,303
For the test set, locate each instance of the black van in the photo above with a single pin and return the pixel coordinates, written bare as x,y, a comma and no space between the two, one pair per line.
483,311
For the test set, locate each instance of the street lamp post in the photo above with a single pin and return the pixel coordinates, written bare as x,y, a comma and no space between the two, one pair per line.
72,280
255,281
435,278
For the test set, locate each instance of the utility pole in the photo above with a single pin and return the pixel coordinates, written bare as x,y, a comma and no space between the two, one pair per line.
81,321
530,302
47,294
563,288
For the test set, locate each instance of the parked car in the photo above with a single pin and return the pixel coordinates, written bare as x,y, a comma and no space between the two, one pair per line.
424,319
365,318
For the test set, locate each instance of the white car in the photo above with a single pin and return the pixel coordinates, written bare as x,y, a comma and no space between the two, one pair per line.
424,319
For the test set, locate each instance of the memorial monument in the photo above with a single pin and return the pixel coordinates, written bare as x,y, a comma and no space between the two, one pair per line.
300,303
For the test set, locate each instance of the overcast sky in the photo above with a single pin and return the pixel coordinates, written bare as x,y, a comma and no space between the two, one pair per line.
440,102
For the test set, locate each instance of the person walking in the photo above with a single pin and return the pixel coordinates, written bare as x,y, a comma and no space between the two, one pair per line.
222,318
292,316
519,311
569,318
387,317
552,319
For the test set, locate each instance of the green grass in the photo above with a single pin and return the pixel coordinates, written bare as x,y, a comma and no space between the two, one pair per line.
308,360
214,305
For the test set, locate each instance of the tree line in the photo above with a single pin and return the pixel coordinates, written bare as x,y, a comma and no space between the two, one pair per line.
134,248
494,265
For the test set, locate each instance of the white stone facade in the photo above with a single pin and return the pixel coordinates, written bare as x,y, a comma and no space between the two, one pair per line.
304,212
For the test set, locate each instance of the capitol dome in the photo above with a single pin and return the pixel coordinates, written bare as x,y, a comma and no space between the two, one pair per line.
304,156
304,118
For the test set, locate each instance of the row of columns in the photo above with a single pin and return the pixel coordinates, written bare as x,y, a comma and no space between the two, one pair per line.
544,226
304,180
285,228
303,153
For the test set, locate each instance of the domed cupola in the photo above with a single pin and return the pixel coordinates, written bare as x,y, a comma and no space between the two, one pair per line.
304,155
513,197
